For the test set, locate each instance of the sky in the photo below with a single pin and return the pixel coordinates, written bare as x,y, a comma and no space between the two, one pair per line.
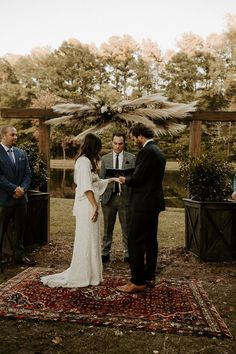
26,24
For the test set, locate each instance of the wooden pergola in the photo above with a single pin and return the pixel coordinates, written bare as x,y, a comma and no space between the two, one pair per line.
42,115
196,120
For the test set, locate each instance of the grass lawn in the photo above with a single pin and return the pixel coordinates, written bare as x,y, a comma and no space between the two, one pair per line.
170,234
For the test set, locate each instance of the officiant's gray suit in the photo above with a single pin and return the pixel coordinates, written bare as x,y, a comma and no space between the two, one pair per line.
113,203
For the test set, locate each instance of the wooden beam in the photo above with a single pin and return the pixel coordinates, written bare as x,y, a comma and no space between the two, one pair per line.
215,116
31,113
195,138
27,113
195,120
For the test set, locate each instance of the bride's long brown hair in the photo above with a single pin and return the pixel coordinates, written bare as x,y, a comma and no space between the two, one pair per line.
91,147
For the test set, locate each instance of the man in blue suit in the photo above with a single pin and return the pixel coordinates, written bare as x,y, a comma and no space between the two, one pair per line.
15,178
147,201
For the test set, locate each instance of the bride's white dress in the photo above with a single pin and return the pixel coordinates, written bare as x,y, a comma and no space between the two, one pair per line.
86,264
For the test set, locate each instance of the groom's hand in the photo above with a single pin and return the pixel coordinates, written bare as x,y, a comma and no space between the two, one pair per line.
122,180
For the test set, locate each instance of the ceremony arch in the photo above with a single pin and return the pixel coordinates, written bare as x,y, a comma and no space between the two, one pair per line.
195,119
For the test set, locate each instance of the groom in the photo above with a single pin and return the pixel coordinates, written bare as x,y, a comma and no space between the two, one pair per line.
147,200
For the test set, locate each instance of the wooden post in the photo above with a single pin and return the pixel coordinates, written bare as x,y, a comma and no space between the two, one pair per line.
195,138
44,145
44,150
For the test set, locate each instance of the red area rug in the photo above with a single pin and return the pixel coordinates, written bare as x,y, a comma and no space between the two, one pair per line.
173,306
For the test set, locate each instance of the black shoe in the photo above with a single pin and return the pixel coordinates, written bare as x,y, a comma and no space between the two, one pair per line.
25,261
126,259
4,259
151,283
106,259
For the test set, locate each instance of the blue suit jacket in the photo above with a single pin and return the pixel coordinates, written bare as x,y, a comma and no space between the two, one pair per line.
11,177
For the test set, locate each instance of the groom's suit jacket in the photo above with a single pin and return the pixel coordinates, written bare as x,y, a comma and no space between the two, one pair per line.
107,163
146,181
13,176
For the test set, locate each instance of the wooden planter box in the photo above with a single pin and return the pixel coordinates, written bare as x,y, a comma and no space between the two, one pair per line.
37,219
210,229
37,227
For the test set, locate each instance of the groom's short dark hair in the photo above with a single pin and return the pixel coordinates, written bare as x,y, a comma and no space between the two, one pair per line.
141,129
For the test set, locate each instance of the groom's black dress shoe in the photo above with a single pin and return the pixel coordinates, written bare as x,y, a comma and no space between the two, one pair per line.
25,261
3,259
151,283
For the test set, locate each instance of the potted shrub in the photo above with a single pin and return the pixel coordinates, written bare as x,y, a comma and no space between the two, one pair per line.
37,165
38,205
210,216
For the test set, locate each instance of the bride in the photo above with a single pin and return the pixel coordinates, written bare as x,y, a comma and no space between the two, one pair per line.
86,264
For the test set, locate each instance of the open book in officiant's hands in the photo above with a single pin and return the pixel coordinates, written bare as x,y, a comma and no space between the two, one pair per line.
113,172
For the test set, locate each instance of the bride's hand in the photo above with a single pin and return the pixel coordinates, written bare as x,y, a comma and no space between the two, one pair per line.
95,214
122,180
116,179
113,179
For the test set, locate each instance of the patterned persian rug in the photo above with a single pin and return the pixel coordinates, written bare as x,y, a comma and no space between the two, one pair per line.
173,306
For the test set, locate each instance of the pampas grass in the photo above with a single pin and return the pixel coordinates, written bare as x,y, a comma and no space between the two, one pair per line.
155,111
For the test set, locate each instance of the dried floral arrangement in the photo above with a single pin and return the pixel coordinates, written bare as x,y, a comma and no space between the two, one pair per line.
107,106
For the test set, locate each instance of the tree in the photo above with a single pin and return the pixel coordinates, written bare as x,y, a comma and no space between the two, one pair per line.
210,83
6,72
179,78
190,43
230,81
14,96
143,78
118,56
151,56
67,72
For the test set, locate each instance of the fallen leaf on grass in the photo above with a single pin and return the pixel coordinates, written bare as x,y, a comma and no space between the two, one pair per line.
57,340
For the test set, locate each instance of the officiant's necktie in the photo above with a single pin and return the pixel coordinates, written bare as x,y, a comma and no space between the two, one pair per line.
117,188
10,154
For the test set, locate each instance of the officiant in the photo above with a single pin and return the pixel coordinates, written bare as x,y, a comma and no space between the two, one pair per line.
116,199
